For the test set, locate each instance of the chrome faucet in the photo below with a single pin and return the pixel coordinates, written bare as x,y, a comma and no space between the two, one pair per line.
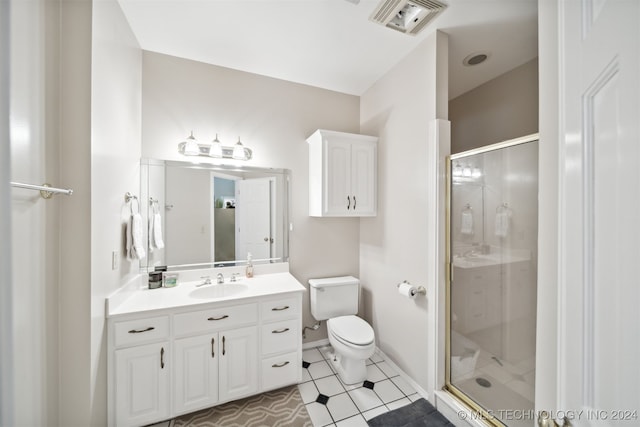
206,280
220,279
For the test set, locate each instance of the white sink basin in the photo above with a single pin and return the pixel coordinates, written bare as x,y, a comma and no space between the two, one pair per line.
218,291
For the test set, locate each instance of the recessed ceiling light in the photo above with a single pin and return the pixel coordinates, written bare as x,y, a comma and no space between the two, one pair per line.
475,58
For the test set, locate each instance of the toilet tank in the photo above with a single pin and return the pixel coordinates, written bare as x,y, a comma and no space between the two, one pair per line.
334,296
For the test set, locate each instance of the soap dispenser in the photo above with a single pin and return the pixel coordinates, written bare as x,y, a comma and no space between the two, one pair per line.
249,270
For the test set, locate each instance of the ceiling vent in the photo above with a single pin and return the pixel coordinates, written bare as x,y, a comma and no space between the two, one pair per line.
407,16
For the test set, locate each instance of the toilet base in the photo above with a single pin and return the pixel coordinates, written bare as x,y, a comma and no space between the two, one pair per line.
350,371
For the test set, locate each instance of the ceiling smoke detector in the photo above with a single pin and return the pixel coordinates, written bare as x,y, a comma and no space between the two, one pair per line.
407,16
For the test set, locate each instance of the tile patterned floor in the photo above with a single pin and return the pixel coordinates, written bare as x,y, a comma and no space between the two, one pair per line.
331,403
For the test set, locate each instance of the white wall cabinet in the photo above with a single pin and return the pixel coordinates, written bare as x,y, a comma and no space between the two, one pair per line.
190,358
342,174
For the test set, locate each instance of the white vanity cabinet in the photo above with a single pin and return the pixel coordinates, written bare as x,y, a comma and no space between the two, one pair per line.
190,357
342,174
141,365
219,365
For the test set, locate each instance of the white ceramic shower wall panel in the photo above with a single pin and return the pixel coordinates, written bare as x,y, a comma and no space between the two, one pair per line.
170,354
342,174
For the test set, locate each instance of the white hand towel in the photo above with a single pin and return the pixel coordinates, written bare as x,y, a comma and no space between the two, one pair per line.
502,223
135,248
150,234
466,226
157,231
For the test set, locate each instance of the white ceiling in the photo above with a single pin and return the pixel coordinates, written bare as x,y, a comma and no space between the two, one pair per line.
331,43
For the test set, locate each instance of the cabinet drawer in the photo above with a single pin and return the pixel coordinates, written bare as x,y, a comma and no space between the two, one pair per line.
139,331
280,308
281,370
214,319
280,336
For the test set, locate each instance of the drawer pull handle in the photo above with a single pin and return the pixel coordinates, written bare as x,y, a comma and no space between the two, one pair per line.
213,354
162,358
218,318
280,365
139,331
280,308
280,331
223,346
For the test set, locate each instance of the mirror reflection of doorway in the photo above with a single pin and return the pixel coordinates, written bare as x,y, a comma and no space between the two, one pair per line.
492,250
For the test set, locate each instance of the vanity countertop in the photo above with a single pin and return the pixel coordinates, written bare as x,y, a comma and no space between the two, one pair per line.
142,299
491,259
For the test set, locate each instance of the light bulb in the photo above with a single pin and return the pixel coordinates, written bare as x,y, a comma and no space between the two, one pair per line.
238,151
457,170
216,148
191,147
466,171
477,173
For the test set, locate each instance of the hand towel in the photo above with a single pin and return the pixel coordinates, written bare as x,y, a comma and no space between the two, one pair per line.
502,223
158,243
135,249
467,223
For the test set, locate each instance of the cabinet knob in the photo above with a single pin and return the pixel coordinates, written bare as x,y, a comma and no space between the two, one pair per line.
354,203
213,354
348,202
162,358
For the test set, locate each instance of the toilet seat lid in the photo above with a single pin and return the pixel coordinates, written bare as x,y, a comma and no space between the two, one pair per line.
351,329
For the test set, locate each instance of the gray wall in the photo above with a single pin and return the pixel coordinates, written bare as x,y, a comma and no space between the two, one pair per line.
501,109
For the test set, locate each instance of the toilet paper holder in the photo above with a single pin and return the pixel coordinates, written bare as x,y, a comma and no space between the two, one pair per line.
420,290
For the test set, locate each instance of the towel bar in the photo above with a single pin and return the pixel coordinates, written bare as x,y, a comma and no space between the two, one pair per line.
46,190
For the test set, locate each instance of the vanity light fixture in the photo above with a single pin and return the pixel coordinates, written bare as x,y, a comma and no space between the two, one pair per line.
191,147
238,151
216,148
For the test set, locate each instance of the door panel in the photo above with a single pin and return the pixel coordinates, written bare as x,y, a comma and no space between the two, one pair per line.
600,190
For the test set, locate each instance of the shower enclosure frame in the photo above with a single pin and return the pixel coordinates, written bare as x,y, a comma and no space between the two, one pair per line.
448,386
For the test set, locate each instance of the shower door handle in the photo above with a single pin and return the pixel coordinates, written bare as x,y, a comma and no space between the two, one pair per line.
545,420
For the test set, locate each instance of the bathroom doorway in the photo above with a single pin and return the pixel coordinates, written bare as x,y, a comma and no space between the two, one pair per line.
492,234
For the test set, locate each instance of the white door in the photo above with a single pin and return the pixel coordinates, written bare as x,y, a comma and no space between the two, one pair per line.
337,176
196,373
238,363
142,384
363,178
253,218
599,295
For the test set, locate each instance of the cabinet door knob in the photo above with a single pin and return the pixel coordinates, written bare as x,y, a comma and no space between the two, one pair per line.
223,346
348,202
354,203
162,358
213,354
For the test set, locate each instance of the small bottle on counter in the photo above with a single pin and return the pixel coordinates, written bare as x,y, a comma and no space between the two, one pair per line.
155,280
249,269
170,280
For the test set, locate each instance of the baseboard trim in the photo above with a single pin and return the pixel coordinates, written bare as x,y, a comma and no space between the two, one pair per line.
318,343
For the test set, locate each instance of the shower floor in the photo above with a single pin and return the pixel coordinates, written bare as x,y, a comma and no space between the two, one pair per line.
512,390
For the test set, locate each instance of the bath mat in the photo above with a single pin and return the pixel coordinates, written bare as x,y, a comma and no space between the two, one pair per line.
277,408
417,414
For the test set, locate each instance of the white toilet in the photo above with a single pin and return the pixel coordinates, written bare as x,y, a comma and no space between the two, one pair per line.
335,299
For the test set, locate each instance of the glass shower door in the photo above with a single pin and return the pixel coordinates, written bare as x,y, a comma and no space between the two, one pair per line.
492,250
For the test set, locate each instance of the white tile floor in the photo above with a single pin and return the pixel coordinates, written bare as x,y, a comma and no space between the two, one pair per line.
332,403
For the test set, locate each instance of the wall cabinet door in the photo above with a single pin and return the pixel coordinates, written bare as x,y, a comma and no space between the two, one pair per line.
196,373
342,174
238,364
142,384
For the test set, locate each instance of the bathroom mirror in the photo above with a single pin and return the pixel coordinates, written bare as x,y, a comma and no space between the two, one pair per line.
204,215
